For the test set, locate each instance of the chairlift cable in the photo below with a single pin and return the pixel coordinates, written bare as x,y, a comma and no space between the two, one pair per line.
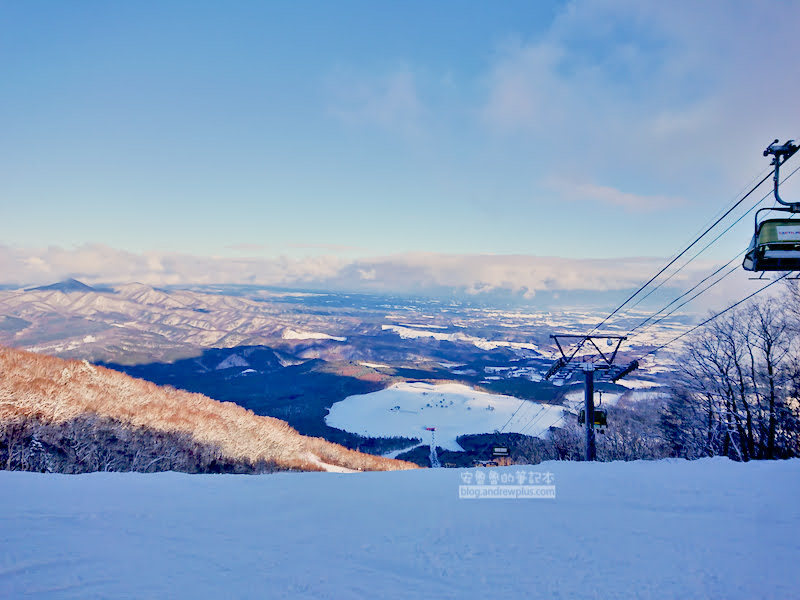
695,256
706,278
534,419
511,418
631,334
561,419
697,239
514,414
675,339
732,306
766,171
706,247
674,260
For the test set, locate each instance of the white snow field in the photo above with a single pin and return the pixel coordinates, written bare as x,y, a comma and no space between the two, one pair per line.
658,530
291,334
407,408
483,344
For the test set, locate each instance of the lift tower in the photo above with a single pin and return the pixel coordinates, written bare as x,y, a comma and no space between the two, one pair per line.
603,362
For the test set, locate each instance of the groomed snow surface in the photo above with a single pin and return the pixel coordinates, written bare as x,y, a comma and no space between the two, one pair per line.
659,530
406,409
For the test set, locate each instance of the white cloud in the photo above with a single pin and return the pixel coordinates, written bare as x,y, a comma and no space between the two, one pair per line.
479,274
417,273
591,192
367,274
524,90
390,101
95,263
674,92
335,248
473,274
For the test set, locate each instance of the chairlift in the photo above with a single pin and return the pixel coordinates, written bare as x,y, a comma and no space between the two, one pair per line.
776,242
775,246
600,416
600,419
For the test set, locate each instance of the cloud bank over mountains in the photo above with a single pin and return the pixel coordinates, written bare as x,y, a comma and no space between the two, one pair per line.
411,273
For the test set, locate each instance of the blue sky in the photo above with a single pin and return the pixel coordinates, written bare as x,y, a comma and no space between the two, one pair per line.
325,135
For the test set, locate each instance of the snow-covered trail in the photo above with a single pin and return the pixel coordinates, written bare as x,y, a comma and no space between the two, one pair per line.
409,448
668,529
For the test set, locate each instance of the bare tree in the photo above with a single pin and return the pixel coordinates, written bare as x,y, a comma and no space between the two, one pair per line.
734,381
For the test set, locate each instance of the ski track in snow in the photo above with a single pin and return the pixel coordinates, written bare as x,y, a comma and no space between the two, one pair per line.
668,530
403,450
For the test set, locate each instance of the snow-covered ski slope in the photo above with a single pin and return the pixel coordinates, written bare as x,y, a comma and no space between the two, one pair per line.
405,409
659,530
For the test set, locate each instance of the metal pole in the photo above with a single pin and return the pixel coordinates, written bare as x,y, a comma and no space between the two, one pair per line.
434,458
591,449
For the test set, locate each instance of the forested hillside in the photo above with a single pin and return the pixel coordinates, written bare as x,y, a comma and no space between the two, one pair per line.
71,416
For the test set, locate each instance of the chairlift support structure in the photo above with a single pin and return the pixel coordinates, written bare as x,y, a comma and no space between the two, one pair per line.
434,457
603,362
776,242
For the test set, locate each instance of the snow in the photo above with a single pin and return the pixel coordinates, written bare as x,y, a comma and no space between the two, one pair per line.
422,325
399,451
483,344
407,408
291,334
644,396
234,360
636,384
576,399
374,365
666,530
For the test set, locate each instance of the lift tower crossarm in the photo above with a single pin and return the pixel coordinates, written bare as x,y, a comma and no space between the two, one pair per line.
608,360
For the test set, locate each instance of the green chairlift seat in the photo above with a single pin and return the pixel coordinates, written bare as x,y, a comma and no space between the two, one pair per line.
775,246
600,417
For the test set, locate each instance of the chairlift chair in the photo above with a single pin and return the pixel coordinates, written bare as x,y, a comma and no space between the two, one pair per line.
600,419
776,242
600,416
775,246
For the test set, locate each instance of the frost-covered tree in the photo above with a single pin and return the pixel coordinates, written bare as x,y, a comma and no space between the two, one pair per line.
735,392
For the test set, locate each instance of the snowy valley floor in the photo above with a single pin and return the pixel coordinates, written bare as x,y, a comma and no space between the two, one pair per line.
667,529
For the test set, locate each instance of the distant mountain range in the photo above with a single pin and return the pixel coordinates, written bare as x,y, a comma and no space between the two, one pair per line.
135,323
66,286
292,355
